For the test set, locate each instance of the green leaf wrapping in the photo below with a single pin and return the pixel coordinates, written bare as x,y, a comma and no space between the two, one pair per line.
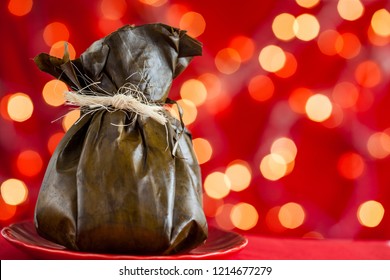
113,185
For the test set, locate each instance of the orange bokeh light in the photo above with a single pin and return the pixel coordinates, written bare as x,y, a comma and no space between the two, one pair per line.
53,92
194,23
298,99
244,216
7,211
29,163
261,88
368,74
351,45
345,94
20,7
228,61
330,42
203,150
239,174
54,32
244,46
58,50
289,67
53,141
70,118
291,215
211,205
351,165
113,9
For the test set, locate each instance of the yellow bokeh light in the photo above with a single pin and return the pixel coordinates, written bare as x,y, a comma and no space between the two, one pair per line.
282,26
14,192
194,23
53,92
58,50
286,148
244,216
69,119
272,58
20,7
194,90
370,213
203,150
380,22
20,107
306,27
189,111
350,9
239,174
217,185
307,3
273,167
113,9
228,61
378,145
291,215
318,108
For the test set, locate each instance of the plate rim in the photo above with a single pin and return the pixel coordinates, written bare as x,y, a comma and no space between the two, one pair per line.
72,254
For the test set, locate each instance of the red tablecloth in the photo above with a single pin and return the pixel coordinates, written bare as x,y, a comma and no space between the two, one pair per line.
275,248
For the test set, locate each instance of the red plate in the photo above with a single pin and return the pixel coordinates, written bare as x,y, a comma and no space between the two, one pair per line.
23,235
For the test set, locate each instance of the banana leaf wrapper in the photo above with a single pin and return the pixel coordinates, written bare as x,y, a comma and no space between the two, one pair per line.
113,184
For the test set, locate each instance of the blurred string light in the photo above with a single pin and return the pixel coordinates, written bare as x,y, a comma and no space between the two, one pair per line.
306,27
58,49
20,7
217,185
345,94
351,165
194,90
318,107
20,107
289,68
54,92
378,145
244,45
272,58
283,26
368,73
70,118
14,191
244,216
203,149
298,98
370,213
380,23
261,88
307,3
55,32
228,61
194,23
350,9
29,163
291,215
240,175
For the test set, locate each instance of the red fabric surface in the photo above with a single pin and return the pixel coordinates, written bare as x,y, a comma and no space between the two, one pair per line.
266,248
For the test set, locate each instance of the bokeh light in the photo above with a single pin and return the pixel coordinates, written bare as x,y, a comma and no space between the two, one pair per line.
154,3
306,27
291,215
350,9
378,145
194,90
261,88
244,216
113,9
58,50
345,94
272,220
286,148
20,107
351,165
223,218
227,61
244,45
318,107
330,42
203,150
14,191
272,58
370,213
7,211
307,3
282,26
189,111
380,22
351,45
54,32
368,74
273,167
239,174
53,92
211,205
298,99
289,68
54,140
70,118
194,23
20,7
29,163
217,185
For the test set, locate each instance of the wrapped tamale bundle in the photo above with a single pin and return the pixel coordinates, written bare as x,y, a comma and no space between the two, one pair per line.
124,178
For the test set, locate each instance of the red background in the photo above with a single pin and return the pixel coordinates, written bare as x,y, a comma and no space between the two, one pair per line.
237,127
